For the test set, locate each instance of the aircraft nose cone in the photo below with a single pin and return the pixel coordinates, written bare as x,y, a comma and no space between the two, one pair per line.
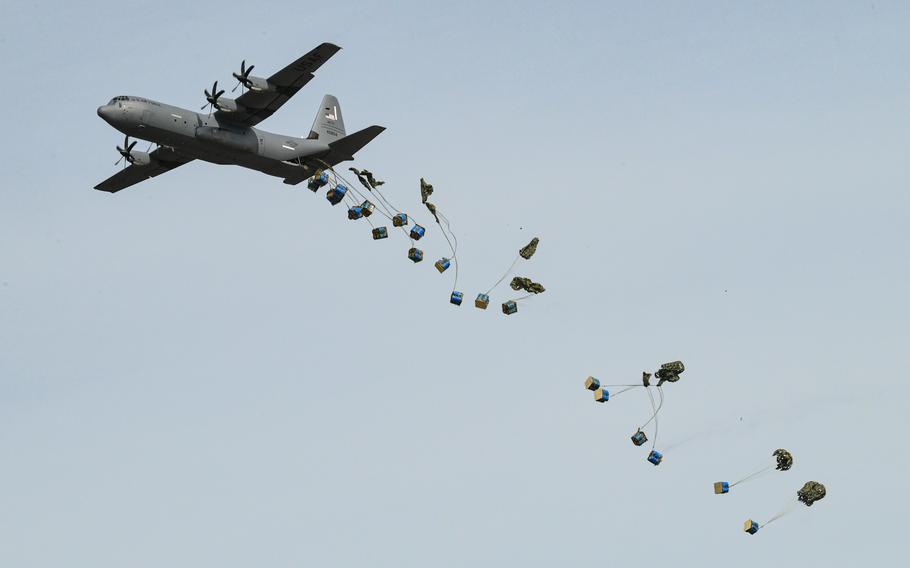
105,112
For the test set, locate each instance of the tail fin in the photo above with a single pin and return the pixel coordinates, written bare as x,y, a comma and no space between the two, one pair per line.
328,126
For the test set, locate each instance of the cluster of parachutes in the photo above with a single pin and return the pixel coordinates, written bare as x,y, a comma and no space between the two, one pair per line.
810,492
361,206
668,372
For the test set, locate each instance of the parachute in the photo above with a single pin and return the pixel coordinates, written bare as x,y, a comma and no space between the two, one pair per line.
426,190
811,492
365,177
526,284
784,459
669,372
529,249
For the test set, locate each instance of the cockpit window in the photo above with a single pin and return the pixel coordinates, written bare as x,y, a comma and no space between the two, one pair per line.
118,99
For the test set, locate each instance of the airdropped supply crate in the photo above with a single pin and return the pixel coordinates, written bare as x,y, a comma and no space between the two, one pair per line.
355,213
320,179
601,395
336,194
400,220
367,208
415,254
380,233
655,457
592,384
417,232
721,487
456,298
482,301
442,264
639,438
509,308
750,526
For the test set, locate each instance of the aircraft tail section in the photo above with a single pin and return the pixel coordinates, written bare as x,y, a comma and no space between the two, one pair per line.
329,125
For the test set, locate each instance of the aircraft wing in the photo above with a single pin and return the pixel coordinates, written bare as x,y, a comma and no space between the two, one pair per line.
259,105
163,160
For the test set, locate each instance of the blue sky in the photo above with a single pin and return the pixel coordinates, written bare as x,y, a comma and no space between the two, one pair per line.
212,368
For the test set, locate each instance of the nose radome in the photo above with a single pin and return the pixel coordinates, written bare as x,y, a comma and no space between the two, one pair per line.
105,112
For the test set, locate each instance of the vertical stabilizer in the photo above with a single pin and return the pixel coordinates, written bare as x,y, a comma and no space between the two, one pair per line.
329,125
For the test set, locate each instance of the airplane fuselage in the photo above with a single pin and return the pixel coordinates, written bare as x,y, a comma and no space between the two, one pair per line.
214,138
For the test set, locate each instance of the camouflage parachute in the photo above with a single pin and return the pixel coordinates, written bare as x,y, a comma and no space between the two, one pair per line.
426,190
432,209
528,250
784,459
522,283
811,492
365,177
669,372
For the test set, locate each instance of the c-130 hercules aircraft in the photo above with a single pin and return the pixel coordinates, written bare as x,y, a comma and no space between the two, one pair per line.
227,136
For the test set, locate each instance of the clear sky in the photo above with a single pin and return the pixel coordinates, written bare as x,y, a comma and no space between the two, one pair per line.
215,369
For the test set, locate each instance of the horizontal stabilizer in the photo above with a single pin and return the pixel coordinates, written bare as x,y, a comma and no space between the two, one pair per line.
345,148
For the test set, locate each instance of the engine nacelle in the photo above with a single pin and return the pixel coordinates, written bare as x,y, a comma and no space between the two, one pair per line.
260,85
244,141
228,105
140,159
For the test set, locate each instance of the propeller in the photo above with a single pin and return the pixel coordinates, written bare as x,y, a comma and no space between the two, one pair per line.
243,78
212,97
126,151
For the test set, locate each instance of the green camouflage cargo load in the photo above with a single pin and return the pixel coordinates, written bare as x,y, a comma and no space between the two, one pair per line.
526,284
784,459
811,492
528,250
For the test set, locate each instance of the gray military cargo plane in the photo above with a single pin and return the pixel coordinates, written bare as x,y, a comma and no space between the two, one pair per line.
227,136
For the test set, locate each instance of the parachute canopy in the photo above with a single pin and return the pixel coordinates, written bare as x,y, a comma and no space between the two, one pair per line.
526,251
426,190
784,459
432,209
526,284
811,492
365,177
669,372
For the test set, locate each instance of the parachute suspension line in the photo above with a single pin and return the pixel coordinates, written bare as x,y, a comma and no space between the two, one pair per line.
753,475
454,257
654,407
617,393
653,417
453,247
504,276
660,391
788,508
